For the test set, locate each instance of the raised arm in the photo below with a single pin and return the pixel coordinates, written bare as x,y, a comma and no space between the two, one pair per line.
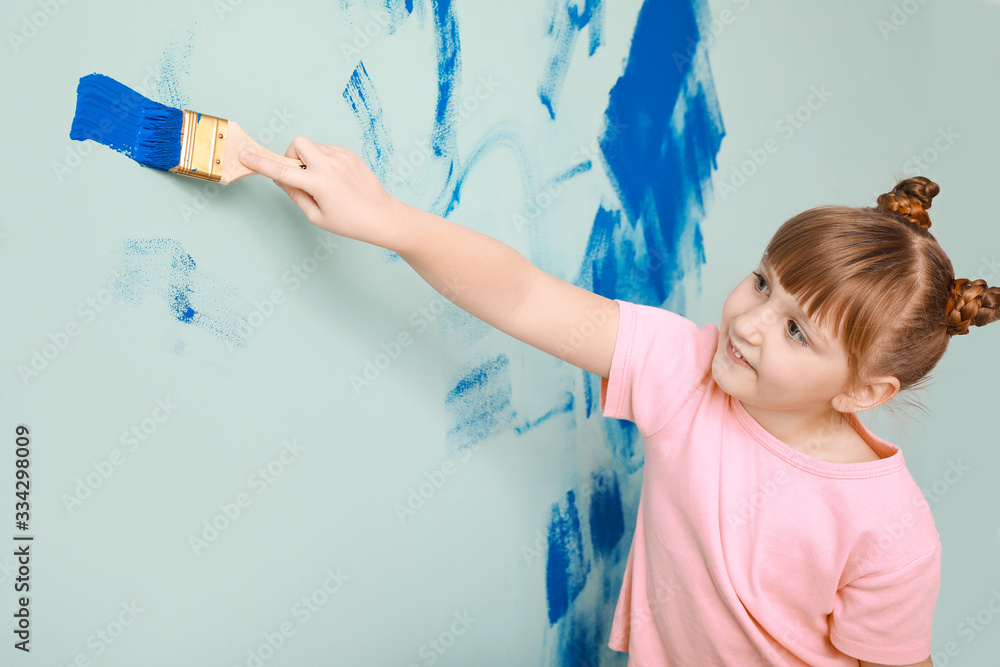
487,278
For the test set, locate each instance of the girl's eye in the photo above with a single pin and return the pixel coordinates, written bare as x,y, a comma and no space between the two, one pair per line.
796,333
794,330
761,283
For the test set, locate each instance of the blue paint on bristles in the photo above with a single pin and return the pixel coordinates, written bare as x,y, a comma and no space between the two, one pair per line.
118,117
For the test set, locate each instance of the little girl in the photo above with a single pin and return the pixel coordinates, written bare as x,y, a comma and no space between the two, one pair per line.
773,527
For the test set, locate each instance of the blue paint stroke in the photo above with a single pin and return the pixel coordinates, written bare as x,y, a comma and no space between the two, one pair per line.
566,567
607,520
364,102
609,258
161,268
660,172
451,171
480,403
574,171
499,139
591,394
444,142
565,407
566,21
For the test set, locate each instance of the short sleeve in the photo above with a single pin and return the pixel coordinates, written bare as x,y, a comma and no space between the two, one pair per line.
660,361
887,617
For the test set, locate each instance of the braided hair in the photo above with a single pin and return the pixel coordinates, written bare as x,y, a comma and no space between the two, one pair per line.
969,301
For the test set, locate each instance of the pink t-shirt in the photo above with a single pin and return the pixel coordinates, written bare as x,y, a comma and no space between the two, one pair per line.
749,552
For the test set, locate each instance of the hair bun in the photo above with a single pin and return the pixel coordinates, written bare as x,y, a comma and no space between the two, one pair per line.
910,199
971,302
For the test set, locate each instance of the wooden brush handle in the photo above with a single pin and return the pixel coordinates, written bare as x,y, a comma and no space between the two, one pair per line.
238,140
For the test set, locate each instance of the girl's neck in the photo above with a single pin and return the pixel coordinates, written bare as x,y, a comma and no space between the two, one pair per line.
826,435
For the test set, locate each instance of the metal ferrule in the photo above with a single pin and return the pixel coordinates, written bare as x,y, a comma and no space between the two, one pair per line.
203,145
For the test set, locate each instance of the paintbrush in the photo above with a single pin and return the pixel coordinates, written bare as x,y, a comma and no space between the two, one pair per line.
179,141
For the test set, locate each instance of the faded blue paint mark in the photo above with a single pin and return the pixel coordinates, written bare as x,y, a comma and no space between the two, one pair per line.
480,403
380,16
174,265
162,269
451,196
566,567
174,69
566,21
367,109
607,522
565,407
622,438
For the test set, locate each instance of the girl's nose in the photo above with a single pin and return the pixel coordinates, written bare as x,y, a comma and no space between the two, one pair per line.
751,324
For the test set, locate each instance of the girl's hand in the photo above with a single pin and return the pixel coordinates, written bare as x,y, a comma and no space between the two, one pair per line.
336,191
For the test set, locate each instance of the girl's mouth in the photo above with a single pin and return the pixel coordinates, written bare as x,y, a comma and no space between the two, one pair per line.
736,356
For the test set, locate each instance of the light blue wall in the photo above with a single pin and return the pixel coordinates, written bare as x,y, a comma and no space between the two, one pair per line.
521,498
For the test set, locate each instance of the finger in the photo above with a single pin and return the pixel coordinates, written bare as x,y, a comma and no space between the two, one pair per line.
277,172
290,152
303,200
304,150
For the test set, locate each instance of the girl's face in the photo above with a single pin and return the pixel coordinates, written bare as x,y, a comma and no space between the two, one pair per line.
789,364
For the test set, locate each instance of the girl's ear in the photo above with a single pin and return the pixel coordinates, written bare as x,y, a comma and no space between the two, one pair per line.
871,395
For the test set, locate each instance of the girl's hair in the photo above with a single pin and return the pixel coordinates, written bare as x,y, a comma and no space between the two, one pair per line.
878,278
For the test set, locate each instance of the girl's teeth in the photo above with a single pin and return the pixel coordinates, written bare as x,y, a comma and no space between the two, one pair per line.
737,353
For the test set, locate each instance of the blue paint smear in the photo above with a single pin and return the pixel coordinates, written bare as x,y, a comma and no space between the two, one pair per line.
565,407
500,138
364,102
120,118
566,567
480,403
660,174
566,21
607,520
583,642
623,439
388,13
161,268
175,66
443,138
574,171
140,255
591,394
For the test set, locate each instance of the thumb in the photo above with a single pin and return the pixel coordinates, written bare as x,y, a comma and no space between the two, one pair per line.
282,174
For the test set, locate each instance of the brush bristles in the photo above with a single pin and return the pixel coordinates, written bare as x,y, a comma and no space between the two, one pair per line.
120,118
